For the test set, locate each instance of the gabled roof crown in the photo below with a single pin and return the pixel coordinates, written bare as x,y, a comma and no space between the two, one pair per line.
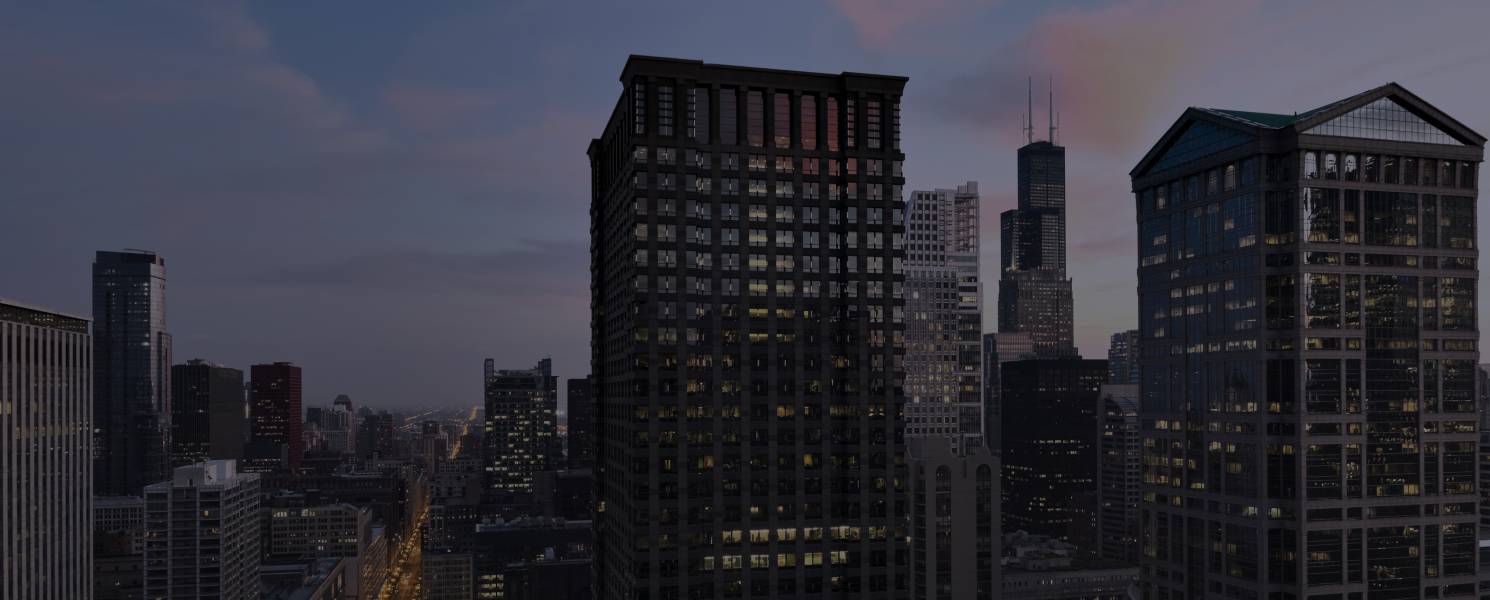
1202,131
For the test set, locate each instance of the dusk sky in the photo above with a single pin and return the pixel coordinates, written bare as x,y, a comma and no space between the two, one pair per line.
388,193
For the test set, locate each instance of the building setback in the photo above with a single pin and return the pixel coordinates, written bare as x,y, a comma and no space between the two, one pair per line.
1308,349
1034,292
46,454
202,534
747,326
275,417
208,419
944,314
580,439
131,380
1050,446
522,428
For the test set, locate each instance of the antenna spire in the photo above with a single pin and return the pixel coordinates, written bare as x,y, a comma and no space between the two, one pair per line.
1050,112
1029,128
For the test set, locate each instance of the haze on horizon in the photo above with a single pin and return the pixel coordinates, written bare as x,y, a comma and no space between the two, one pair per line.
387,194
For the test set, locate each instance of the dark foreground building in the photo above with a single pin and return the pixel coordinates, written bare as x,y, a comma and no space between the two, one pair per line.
131,373
747,334
1307,287
207,413
274,411
1050,431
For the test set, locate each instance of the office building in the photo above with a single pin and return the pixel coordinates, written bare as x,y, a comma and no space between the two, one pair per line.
208,414
317,531
1039,568
315,579
944,314
1034,292
1049,460
1118,473
46,454
999,348
202,534
1307,287
446,575
131,379
338,426
580,438
955,529
522,429
533,559
118,548
275,416
747,327
1122,358
375,435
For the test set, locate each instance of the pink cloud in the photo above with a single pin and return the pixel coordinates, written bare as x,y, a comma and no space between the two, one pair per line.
879,22
425,107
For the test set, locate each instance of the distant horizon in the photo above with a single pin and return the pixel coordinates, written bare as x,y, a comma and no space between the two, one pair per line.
388,205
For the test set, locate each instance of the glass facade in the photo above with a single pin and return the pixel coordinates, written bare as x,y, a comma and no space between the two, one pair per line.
131,372
1327,454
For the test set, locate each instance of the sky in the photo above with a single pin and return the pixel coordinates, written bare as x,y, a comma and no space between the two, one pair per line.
387,193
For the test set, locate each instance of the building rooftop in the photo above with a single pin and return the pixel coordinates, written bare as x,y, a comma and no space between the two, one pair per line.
20,312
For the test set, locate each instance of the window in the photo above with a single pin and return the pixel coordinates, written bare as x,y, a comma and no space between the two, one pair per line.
872,124
832,122
665,110
1331,168
698,115
755,122
1391,219
808,122
781,119
1311,165
1351,172
850,123
639,108
729,115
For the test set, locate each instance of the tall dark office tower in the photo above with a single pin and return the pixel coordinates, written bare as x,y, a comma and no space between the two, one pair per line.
1118,473
999,348
944,309
522,428
1050,429
46,452
1306,307
580,441
747,334
1122,358
1034,293
375,435
274,409
131,366
207,413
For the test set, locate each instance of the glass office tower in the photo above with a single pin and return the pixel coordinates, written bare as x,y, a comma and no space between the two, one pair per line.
1308,349
747,334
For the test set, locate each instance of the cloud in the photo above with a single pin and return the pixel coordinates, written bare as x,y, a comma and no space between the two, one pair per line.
879,23
425,107
1115,68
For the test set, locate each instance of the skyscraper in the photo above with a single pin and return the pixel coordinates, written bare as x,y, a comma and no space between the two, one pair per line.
46,453
747,333
1122,358
131,372
1034,292
208,414
998,349
274,409
1118,473
944,314
580,441
202,534
1308,349
1050,430
522,428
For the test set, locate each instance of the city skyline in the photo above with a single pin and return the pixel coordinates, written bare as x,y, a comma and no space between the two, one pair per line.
401,196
